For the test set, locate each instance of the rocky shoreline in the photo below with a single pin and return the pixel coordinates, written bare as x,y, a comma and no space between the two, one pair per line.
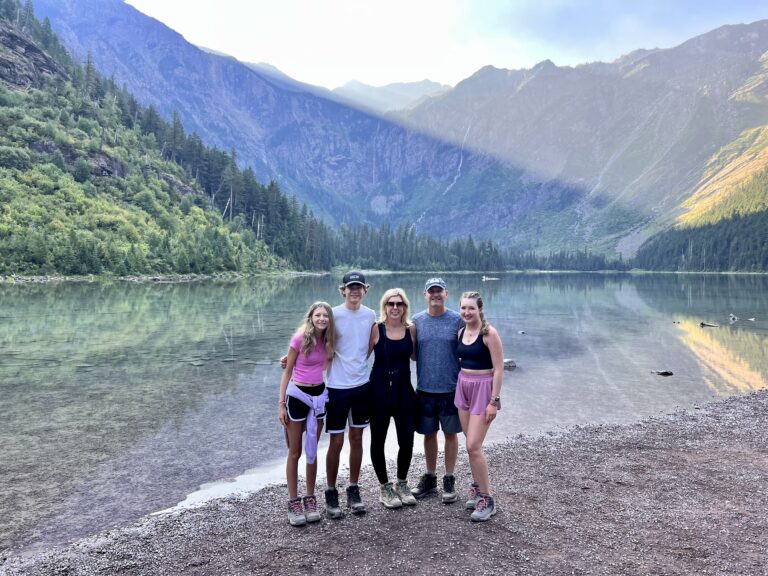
685,493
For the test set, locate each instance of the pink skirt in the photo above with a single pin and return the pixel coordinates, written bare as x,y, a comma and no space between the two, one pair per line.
473,392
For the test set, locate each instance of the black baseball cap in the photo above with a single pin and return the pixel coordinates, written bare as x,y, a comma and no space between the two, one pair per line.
353,278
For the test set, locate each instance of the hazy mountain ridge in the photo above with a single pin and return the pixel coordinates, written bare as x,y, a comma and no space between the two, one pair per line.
391,97
599,155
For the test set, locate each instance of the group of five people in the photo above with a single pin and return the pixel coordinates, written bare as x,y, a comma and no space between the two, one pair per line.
459,361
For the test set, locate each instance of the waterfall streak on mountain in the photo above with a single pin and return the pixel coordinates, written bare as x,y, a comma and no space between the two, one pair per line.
456,176
628,141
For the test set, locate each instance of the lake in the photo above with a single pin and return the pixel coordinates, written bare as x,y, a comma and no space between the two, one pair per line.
121,399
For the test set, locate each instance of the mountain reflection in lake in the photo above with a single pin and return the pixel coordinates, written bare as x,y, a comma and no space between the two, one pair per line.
121,399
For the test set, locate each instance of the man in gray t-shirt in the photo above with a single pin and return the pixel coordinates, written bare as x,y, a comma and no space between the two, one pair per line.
437,368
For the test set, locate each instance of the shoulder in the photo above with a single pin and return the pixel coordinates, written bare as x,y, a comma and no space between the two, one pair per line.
296,340
492,335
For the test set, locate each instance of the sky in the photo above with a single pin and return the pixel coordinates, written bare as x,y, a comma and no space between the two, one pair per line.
330,42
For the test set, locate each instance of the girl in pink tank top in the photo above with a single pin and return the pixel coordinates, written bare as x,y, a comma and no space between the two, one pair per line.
301,406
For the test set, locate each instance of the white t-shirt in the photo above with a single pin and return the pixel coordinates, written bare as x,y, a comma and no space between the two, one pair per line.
349,367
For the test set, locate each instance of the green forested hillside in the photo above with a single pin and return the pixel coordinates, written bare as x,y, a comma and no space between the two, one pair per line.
84,188
733,235
739,243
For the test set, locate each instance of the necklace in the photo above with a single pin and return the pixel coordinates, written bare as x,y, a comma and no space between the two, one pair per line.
471,333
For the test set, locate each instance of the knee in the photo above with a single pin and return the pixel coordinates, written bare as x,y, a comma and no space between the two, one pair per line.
474,448
336,442
294,453
356,438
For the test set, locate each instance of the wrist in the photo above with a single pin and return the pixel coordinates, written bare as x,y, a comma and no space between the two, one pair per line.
281,403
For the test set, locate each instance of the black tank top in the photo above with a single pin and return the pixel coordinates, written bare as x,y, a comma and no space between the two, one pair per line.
475,356
392,362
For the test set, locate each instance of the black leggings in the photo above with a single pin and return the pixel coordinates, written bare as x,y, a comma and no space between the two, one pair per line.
404,424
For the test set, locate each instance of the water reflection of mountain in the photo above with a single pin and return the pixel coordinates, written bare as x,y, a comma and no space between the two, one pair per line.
716,294
732,361
87,370
733,356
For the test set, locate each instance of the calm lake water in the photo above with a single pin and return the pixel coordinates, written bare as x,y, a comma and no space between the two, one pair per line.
121,399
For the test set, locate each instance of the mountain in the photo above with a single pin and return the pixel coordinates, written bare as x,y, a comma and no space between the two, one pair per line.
397,96
601,155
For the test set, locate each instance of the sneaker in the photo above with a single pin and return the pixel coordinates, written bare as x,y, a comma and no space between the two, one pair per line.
332,509
388,496
353,500
296,512
310,509
427,485
484,509
449,489
474,490
404,493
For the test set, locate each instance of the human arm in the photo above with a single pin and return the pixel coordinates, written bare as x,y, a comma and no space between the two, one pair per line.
412,329
493,342
282,411
373,339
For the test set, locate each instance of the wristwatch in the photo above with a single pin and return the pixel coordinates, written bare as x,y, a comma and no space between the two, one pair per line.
496,401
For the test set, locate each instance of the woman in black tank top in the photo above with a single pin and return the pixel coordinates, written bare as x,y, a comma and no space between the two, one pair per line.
392,395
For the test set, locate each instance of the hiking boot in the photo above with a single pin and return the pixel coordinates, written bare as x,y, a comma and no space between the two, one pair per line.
332,509
449,489
310,509
427,485
353,500
474,490
484,508
388,496
404,493
296,512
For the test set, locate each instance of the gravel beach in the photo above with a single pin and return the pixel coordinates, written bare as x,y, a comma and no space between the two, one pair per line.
685,493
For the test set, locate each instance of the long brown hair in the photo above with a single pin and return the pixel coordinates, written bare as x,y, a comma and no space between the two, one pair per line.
485,327
307,331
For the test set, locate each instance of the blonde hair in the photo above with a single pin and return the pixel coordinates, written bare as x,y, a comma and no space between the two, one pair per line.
307,331
383,305
485,327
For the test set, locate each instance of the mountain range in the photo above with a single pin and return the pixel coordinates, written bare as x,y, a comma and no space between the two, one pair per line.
602,155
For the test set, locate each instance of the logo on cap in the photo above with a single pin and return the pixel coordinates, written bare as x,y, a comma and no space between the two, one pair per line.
434,282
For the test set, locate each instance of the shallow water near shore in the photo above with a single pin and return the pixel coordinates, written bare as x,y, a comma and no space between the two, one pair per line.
122,399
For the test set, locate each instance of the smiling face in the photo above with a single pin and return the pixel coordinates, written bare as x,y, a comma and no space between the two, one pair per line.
320,319
436,298
353,295
470,312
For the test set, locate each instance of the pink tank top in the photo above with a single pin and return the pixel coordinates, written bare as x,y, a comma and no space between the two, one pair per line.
308,369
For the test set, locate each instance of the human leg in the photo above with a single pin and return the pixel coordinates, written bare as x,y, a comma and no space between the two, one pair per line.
355,453
311,472
379,427
477,429
295,433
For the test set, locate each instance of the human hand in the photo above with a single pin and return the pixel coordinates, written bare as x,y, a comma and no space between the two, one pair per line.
490,413
282,415
284,361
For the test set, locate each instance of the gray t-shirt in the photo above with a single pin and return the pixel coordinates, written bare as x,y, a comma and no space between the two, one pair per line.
437,364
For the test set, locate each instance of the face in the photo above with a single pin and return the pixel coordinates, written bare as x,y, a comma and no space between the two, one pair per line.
395,307
469,311
353,294
436,297
320,318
